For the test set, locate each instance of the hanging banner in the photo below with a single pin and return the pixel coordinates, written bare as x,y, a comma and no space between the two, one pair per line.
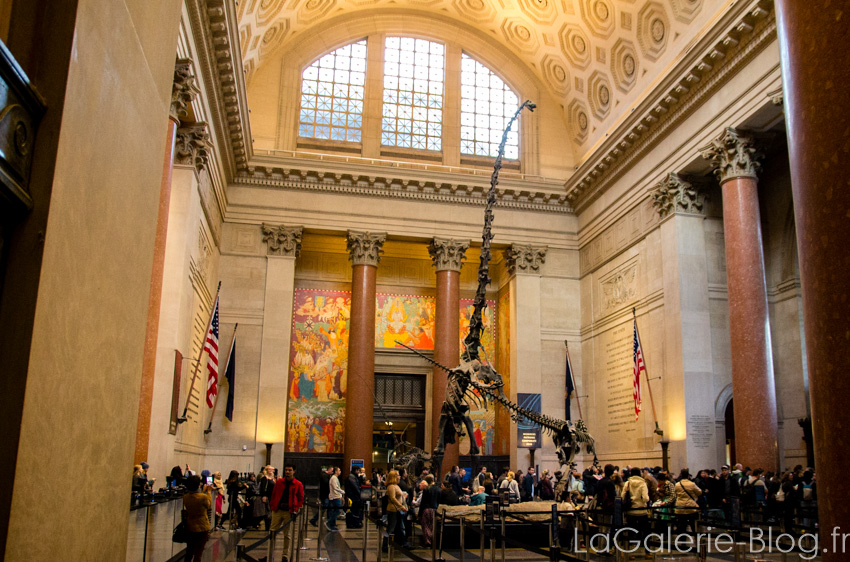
528,434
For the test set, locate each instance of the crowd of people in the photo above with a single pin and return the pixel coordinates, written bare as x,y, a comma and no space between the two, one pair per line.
248,501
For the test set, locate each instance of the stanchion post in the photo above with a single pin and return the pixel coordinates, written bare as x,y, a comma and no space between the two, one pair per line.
462,545
442,532
502,519
554,540
321,526
390,546
481,545
365,518
293,537
270,550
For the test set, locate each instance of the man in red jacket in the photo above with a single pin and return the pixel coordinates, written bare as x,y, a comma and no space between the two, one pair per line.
287,499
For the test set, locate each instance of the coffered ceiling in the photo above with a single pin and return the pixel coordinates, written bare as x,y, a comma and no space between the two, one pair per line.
594,57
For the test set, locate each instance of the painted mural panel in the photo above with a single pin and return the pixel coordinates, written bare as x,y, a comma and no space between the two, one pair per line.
408,319
318,371
483,420
503,340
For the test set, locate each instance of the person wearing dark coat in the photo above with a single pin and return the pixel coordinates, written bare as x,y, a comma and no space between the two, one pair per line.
448,496
324,492
354,517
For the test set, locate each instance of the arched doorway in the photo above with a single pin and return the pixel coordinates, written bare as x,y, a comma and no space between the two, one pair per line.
730,433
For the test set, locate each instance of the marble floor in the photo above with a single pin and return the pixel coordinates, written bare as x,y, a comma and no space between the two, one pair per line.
347,546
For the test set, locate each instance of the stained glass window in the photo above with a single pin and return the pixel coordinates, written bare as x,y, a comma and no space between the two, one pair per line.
332,95
486,105
412,115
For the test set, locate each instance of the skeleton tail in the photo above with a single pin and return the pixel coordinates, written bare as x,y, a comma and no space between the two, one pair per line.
551,425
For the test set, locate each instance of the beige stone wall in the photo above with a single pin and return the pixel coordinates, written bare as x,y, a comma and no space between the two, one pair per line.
679,289
83,382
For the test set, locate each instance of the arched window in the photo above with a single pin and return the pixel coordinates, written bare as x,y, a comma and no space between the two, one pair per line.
413,96
486,104
412,115
332,93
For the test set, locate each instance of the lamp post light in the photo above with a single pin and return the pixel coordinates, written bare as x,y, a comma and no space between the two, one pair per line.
665,443
268,454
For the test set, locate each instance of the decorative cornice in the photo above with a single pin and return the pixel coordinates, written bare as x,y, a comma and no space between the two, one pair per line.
448,254
215,25
282,240
674,194
744,31
183,90
365,248
192,146
524,258
733,154
777,97
401,188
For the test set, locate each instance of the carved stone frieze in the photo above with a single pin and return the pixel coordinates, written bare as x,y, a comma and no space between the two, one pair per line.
448,254
521,258
184,90
282,240
365,248
192,146
674,194
734,154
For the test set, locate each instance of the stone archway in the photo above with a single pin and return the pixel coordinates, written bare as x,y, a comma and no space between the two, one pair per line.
724,425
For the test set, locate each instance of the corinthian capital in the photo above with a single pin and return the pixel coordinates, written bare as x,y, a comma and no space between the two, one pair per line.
365,248
184,89
192,146
674,194
733,154
448,254
282,240
524,258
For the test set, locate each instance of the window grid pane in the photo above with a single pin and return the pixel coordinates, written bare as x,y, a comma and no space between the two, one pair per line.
413,93
332,94
486,105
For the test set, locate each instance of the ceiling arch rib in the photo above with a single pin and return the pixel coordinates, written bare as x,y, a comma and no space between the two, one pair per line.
569,46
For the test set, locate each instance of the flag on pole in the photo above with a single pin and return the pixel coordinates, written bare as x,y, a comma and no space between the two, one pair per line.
230,375
638,367
568,390
211,347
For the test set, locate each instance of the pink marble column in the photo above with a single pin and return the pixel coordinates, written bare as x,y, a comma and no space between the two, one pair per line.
815,54
448,256
183,91
753,388
365,252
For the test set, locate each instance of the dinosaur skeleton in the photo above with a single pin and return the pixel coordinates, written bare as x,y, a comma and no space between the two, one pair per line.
474,382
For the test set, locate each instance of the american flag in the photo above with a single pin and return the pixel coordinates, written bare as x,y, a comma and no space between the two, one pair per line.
211,347
639,366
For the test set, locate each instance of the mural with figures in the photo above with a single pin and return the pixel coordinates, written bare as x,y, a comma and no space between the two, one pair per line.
318,371
408,319
483,420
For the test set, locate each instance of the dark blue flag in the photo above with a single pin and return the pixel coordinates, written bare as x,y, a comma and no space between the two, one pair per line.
230,375
568,389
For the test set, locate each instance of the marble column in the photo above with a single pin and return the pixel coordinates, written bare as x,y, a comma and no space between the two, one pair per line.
283,246
735,157
523,263
183,92
365,249
685,416
815,57
448,257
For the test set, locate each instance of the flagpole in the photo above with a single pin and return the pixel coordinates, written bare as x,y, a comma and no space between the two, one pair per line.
229,353
658,430
183,418
573,378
